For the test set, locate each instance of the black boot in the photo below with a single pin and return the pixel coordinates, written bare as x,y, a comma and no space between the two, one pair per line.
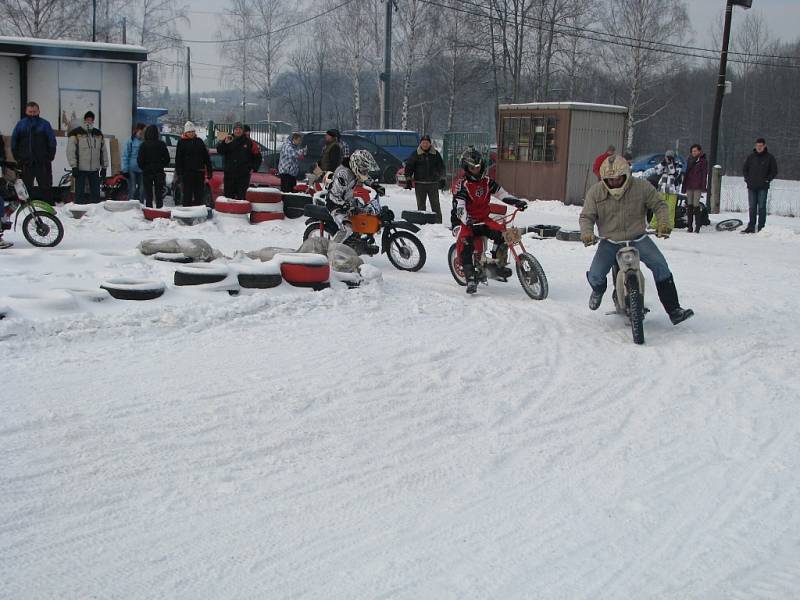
472,279
596,297
689,217
669,299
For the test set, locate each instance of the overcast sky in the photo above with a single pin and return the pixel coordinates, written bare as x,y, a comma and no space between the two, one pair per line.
781,17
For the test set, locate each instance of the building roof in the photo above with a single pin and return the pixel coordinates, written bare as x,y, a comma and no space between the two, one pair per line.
612,108
71,50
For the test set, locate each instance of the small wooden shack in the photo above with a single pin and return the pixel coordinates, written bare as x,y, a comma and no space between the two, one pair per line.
545,150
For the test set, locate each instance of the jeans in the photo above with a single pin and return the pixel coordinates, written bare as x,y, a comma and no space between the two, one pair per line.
758,205
135,186
606,256
94,187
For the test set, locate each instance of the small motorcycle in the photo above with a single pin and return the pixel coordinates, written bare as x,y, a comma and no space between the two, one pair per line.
402,247
40,226
629,288
529,271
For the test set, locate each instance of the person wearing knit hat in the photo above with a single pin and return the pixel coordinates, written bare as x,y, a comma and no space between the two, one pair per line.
86,154
241,157
331,153
425,168
189,126
192,165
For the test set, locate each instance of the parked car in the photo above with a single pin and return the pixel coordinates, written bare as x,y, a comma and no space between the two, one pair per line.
215,186
397,142
171,140
314,141
650,161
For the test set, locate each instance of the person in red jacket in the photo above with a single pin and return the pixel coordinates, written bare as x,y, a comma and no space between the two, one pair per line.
471,212
610,151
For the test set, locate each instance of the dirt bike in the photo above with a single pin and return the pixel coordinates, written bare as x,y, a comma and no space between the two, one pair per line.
629,287
529,272
402,247
41,227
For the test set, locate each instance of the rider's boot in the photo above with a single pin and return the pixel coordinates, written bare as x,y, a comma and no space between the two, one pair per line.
501,254
669,299
472,279
4,244
596,296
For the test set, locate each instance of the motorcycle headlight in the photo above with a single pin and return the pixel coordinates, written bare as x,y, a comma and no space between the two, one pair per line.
628,258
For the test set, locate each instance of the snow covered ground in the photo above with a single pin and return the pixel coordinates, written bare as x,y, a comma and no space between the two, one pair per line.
401,440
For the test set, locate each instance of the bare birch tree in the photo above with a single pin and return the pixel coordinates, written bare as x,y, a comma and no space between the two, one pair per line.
237,32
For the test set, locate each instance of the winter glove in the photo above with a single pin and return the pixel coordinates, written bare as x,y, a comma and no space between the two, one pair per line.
103,173
408,183
663,230
589,239
521,205
75,172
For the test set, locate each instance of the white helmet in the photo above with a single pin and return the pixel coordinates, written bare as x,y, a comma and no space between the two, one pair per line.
362,164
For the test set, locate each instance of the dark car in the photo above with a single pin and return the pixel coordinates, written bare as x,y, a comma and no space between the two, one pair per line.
314,141
651,161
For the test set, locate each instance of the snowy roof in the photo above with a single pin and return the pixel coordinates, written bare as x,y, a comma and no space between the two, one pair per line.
71,49
565,106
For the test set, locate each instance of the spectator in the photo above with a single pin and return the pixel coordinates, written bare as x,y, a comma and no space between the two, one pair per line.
610,151
192,161
33,145
426,167
240,161
254,147
694,185
86,154
153,158
289,163
759,170
130,164
332,152
668,173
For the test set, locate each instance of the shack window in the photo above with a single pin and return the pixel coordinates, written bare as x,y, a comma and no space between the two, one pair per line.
524,143
544,139
510,138
550,150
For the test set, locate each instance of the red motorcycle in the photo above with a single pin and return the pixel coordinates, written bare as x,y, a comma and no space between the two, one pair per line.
529,272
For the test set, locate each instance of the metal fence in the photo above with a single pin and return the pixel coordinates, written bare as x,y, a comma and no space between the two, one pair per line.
455,142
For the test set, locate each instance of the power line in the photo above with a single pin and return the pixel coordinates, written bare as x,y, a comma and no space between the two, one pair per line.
260,35
628,42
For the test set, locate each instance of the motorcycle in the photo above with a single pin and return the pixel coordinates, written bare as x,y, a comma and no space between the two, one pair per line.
629,288
529,271
40,226
398,242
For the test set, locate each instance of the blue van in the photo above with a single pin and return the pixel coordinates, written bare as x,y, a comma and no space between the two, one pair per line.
396,142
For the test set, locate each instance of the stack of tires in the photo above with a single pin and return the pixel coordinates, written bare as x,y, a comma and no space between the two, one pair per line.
266,204
232,206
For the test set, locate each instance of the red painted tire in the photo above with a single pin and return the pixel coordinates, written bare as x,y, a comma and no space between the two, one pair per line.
301,188
301,275
152,214
260,217
269,207
263,195
231,206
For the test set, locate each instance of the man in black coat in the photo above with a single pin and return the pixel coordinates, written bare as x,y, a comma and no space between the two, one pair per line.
192,166
759,170
426,168
240,161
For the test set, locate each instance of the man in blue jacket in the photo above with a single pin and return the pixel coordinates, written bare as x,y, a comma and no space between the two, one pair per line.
33,145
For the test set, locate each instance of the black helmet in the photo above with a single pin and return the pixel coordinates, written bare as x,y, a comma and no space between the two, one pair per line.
470,159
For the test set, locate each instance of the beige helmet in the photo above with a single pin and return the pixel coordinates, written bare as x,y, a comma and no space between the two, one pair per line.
615,166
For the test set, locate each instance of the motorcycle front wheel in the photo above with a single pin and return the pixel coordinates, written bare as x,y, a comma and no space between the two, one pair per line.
42,229
454,262
405,251
531,276
635,308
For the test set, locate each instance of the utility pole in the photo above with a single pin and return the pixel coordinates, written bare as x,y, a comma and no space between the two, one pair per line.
386,76
723,67
188,83
124,30
94,20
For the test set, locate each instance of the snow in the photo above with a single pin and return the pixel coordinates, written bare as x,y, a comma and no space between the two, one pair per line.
400,440
783,198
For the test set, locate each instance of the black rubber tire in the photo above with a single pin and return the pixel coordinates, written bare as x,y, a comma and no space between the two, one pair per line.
545,231
531,276
119,294
455,270
177,258
182,278
294,204
29,229
418,217
261,281
729,225
568,235
635,308
313,229
400,241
